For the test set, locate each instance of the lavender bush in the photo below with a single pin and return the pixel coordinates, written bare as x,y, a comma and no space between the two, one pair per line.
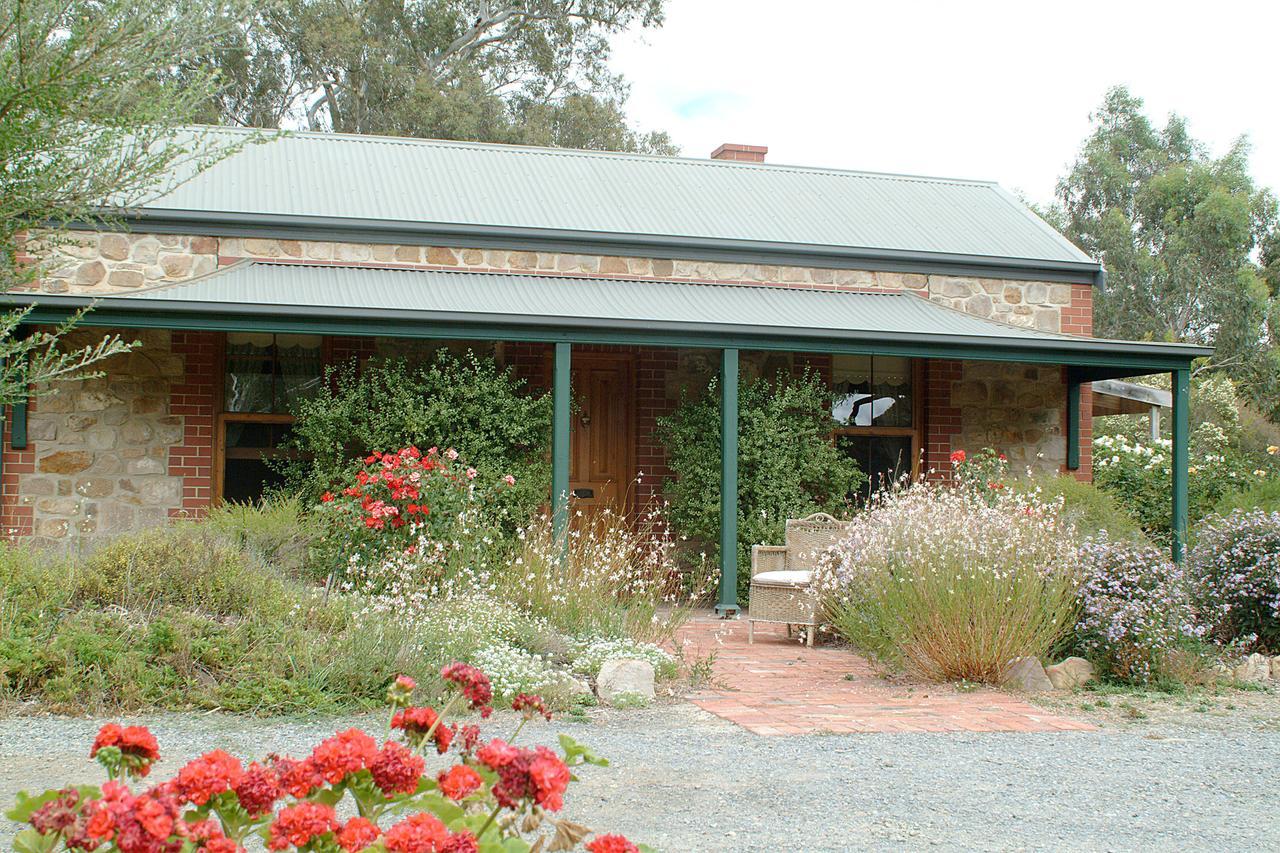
1135,609
1235,567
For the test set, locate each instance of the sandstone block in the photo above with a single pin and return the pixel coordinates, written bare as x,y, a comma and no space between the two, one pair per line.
90,273
623,679
65,462
204,245
1254,669
1027,676
1070,673
114,247
175,266
442,256
126,278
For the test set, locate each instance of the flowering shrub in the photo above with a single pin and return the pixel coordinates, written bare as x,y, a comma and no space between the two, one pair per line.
1138,473
1135,608
1235,565
985,472
494,797
952,584
610,576
589,654
409,501
515,671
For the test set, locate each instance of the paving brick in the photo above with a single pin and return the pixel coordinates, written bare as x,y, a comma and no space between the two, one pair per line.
778,687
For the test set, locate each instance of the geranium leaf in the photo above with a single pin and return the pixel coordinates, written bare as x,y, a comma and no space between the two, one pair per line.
30,841
28,803
575,752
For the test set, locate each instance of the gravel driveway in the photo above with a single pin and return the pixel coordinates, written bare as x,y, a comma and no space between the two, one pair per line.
684,780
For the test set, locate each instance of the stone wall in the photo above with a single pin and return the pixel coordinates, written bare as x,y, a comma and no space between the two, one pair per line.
98,459
114,263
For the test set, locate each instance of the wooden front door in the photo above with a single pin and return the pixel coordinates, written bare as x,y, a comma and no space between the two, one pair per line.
601,430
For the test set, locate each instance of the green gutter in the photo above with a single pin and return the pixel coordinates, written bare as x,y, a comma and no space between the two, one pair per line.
1115,357
348,230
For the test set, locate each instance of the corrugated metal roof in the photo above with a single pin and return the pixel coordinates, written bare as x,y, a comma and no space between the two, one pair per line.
548,298
388,179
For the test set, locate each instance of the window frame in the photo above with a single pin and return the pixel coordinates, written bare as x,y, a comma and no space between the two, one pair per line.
915,431
222,417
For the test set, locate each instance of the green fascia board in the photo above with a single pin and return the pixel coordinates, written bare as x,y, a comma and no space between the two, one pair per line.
1103,356
293,227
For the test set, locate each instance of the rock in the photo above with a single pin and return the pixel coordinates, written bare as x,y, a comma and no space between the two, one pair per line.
577,688
65,462
1254,669
1072,672
625,681
1027,676
1275,667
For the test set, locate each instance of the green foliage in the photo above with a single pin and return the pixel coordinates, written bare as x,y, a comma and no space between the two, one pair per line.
90,123
445,69
277,531
180,617
787,465
1264,496
1086,508
1235,567
1179,232
466,402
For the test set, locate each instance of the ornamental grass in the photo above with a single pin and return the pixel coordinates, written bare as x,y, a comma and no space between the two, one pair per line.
952,583
608,576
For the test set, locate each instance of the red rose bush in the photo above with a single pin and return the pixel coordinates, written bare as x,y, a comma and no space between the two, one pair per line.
490,797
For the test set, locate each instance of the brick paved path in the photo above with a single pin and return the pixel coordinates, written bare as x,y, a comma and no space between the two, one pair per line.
779,687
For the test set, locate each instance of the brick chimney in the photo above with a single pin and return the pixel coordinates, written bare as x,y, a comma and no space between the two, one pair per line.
740,153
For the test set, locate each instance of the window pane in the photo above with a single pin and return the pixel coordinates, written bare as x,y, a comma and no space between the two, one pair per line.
851,382
250,371
298,359
882,458
892,391
246,473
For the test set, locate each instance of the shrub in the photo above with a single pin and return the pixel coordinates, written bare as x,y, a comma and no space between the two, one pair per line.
1264,496
610,576
486,797
787,465
464,401
1086,508
278,531
952,584
177,617
1235,564
429,505
1135,609
1138,474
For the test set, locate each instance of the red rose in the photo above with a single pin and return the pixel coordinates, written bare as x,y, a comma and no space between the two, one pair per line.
957,457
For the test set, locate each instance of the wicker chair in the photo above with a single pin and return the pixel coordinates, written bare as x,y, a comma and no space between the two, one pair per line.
780,575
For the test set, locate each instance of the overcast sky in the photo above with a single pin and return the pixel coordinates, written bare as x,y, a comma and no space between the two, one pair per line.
987,90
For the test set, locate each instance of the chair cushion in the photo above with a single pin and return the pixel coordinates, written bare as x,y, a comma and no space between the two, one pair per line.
795,578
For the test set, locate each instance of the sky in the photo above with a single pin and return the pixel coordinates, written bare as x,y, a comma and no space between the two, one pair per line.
983,90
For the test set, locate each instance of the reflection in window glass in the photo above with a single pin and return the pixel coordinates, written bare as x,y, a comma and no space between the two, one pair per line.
873,391
246,473
268,373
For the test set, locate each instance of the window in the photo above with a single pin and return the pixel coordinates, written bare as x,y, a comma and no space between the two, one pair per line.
263,376
877,409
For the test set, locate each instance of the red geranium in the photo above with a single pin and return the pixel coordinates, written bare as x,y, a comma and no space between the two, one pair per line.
474,685
138,747
530,706
207,835
526,774
611,844
419,833
298,826
346,752
297,778
415,722
459,782
396,770
208,776
257,789
357,834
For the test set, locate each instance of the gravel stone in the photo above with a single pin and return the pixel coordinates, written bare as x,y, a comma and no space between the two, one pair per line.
683,780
